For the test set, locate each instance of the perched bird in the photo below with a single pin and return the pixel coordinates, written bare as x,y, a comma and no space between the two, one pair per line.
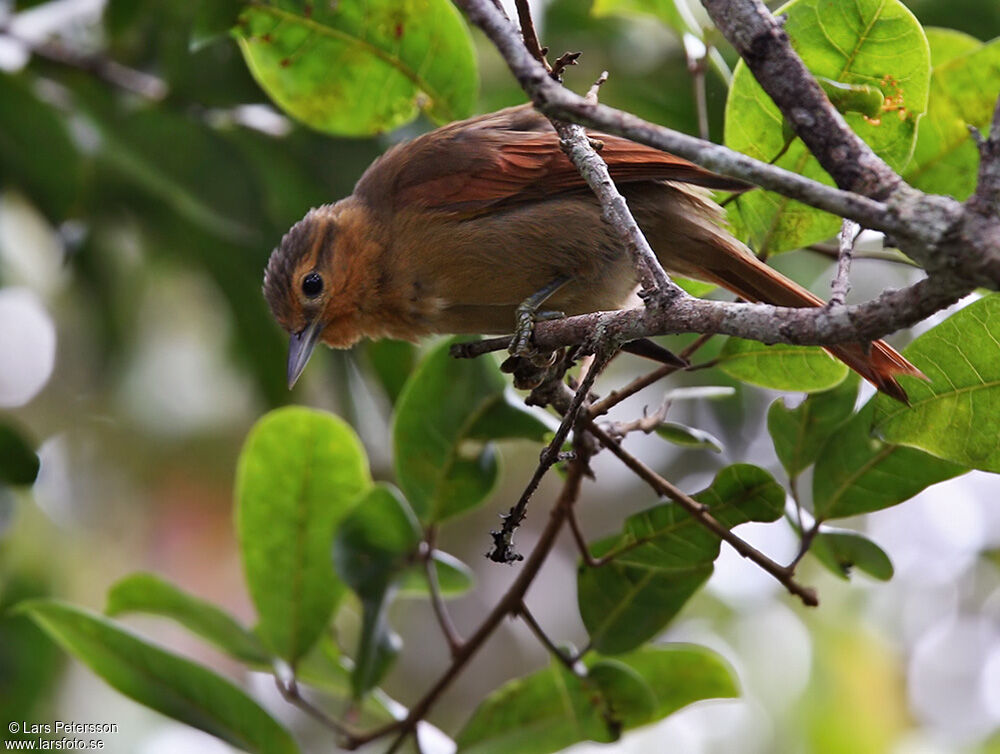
452,231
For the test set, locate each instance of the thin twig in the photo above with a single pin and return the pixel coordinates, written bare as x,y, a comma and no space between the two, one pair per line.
525,614
512,599
833,252
289,691
696,52
503,539
639,383
808,536
703,517
578,147
448,630
849,232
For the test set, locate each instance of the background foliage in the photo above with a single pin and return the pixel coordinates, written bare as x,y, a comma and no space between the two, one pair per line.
139,356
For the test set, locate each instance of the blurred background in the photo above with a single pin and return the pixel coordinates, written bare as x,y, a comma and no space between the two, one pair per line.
143,185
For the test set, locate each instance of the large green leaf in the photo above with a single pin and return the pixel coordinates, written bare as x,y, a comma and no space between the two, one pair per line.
299,474
440,418
963,93
955,414
552,709
800,433
18,462
161,680
858,473
780,366
148,593
36,153
865,42
361,68
663,555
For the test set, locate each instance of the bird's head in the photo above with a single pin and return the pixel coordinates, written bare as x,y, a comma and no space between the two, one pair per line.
305,287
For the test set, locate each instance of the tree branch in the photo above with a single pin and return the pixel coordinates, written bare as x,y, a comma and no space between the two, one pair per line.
761,41
698,512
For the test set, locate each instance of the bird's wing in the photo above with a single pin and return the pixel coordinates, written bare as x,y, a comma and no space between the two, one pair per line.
511,157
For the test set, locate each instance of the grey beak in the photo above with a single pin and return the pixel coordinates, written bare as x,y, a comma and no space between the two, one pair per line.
300,348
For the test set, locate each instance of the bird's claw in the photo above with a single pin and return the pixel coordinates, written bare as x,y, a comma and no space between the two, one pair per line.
521,345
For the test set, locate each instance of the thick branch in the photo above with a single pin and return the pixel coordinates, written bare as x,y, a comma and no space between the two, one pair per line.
892,311
763,44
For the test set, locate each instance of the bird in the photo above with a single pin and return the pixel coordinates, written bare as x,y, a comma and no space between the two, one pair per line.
454,230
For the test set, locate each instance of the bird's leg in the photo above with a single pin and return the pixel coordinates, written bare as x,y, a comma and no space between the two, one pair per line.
527,314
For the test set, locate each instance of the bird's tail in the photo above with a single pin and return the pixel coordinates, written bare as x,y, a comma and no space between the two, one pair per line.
877,362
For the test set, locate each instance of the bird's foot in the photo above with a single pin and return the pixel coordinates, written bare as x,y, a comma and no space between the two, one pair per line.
522,345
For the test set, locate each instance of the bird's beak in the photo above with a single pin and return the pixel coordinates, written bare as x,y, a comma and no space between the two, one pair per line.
300,348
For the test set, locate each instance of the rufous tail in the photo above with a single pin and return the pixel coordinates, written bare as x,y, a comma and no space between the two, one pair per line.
877,362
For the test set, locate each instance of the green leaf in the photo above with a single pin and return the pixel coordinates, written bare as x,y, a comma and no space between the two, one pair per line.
955,414
393,362
214,19
840,551
454,578
963,93
544,712
800,433
781,366
688,437
662,10
663,556
857,473
360,68
508,419
299,474
375,543
866,43
440,468
552,709
681,674
207,184
161,680
148,593
18,462
947,44
36,152
326,670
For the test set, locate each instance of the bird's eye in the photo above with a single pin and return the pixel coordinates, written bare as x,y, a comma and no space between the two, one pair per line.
312,285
